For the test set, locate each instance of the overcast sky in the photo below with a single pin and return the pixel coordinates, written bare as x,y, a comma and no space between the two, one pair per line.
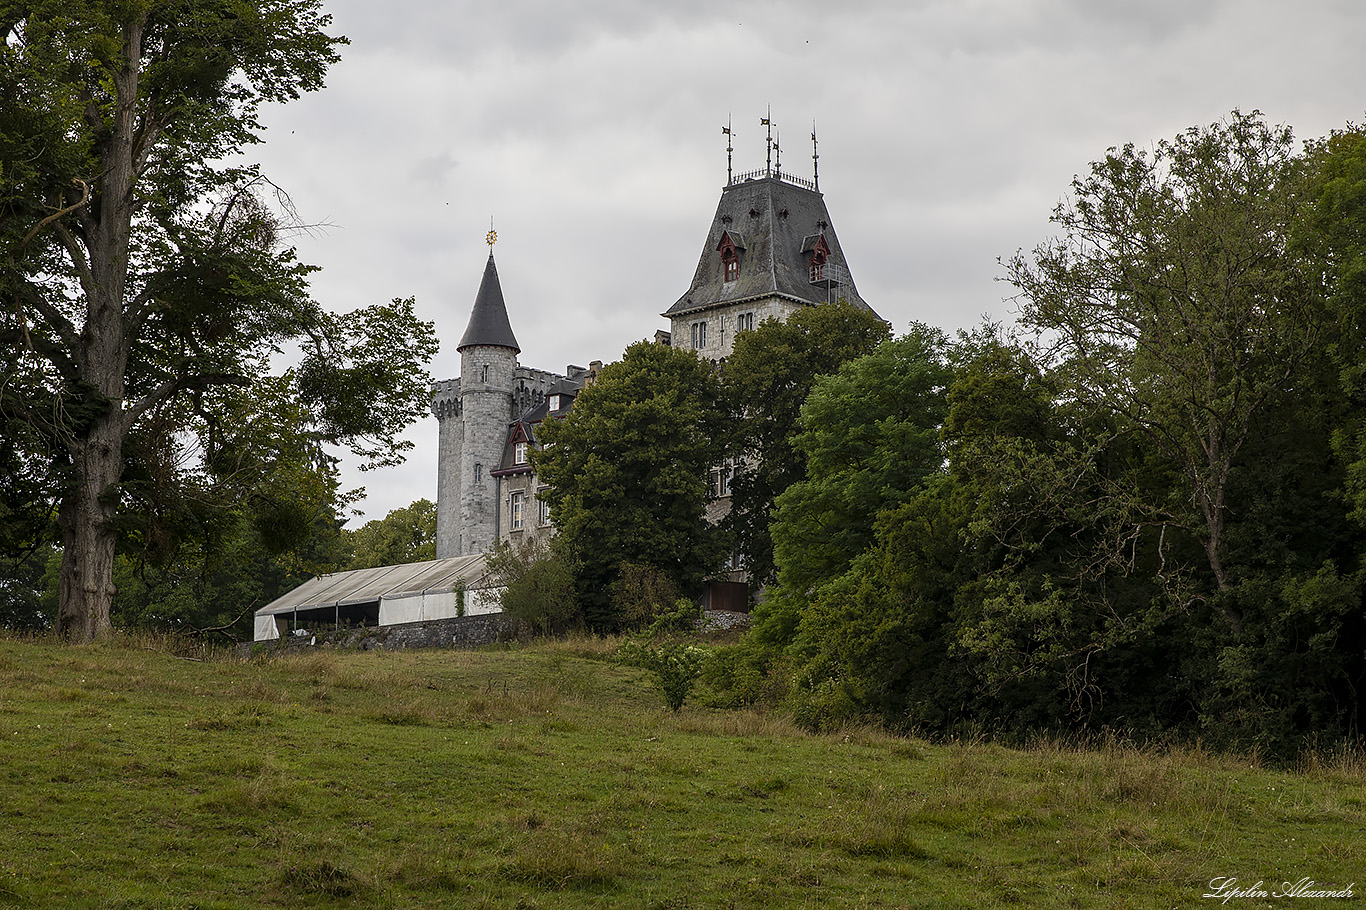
591,132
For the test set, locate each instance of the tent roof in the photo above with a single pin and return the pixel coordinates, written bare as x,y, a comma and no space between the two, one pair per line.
437,576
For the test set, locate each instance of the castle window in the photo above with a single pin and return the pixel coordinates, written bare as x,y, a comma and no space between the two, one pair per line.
478,473
744,322
484,373
542,511
519,453
518,508
699,335
732,265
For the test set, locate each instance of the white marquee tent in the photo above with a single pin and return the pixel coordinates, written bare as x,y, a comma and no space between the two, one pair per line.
383,596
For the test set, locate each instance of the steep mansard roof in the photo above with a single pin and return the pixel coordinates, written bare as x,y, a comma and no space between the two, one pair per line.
489,323
774,222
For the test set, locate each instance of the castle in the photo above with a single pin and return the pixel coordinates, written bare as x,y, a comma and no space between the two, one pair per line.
771,250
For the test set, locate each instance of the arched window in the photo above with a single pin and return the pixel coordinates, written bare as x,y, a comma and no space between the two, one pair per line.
732,264
730,247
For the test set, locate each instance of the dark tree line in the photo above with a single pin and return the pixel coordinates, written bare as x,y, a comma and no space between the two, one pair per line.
1147,513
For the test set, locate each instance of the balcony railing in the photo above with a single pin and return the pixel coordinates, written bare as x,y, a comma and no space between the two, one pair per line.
777,174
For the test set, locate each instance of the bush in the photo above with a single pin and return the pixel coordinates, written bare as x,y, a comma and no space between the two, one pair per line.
641,594
825,707
745,673
674,665
538,585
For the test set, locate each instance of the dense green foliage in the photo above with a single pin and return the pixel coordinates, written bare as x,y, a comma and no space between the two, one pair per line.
626,475
1143,513
148,289
765,380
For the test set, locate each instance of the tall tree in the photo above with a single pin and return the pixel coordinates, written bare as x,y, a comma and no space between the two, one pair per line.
145,286
404,535
870,438
1170,302
766,380
626,473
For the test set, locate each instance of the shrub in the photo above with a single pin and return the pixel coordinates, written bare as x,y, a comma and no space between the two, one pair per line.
674,666
641,594
538,585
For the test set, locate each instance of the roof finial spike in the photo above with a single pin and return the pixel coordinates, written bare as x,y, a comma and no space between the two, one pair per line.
491,237
729,141
768,122
815,159
778,155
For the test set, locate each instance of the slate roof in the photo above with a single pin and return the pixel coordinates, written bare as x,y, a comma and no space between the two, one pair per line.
489,323
567,389
776,221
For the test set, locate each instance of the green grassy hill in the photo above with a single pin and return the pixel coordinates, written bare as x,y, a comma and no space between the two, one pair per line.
550,777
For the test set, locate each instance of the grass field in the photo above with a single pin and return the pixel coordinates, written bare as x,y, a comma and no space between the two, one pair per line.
548,776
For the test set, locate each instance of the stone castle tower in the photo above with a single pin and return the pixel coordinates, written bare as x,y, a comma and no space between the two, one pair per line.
474,412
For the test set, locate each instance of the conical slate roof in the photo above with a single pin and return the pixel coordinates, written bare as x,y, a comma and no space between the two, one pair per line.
489,323
775,222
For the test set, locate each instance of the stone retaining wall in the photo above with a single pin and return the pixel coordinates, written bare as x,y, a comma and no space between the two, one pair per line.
456,632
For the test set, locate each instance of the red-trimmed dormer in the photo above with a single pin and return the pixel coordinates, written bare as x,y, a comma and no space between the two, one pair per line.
730,248
820,253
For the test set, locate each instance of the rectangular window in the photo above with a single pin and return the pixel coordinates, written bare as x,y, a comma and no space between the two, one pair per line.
744,322
725,480
519,453
518,510
699,336
542,512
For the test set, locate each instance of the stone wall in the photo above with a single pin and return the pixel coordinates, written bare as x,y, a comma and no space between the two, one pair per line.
456,632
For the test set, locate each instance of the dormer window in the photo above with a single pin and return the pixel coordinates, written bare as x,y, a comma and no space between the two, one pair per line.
519,453
730,247
819,251
818,266
554,403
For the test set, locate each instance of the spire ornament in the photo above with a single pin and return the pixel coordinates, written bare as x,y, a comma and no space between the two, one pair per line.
491,237
730,137
815,159
768,122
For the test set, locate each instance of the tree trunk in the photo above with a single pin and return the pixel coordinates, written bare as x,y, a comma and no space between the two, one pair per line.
88,534
86,516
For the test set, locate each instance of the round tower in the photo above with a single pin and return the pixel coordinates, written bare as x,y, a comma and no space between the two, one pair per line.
488,362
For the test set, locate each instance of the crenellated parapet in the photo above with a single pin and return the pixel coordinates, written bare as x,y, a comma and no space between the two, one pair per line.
446,398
